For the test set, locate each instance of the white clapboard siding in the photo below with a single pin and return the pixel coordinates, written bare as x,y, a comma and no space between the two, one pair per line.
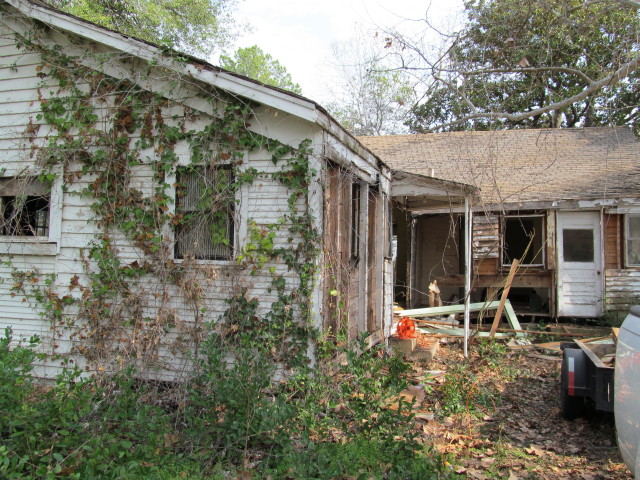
265,202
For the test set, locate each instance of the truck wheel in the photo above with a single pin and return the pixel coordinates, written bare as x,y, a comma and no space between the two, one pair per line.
571,406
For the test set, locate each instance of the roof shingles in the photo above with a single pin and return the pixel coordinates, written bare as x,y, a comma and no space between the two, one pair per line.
512,166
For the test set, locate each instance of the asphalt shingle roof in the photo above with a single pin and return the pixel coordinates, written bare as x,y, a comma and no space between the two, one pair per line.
523,165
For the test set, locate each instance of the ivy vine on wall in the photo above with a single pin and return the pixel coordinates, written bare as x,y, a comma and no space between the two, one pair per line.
102,133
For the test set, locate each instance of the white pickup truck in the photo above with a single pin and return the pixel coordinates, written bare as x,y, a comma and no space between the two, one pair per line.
627,391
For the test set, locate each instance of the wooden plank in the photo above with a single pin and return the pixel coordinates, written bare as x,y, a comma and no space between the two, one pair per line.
505,293
544,357
512,317
504,330
457,332
524,280
474,307
446,310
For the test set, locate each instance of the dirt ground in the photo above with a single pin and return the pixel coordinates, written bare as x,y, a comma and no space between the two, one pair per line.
520,434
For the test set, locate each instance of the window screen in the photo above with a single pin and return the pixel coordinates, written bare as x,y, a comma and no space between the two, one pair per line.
205,204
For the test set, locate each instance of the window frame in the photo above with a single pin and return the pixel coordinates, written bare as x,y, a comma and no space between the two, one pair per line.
37,244
233,235
503,231
627,238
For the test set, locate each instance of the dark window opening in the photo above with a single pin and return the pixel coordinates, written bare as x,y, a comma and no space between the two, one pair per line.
205,203
523,239
355,221
577,245
24,206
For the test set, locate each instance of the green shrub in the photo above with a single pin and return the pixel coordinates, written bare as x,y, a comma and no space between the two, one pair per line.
318,423
462,391
76,427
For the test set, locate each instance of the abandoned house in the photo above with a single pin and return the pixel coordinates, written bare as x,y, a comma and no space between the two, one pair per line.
145,195
564,202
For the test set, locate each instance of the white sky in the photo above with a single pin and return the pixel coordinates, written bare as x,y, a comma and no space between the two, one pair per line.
299,33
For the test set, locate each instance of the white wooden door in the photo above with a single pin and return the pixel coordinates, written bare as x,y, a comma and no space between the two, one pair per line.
579,264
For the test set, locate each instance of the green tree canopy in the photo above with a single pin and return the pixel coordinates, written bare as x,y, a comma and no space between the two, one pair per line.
534,64
254,63
193,26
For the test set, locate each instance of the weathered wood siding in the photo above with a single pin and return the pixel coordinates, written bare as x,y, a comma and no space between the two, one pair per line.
622,290
622,285
486,237
613,249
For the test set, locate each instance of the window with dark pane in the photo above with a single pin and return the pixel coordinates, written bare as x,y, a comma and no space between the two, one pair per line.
205,204
523,239
577,245
633,240
24,206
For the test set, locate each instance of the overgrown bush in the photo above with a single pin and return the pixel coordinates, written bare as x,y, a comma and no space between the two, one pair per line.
233,415
75,427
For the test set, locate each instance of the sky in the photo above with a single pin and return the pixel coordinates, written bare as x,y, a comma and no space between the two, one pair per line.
299,33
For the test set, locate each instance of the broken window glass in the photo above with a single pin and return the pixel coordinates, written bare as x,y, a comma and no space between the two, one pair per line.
24,206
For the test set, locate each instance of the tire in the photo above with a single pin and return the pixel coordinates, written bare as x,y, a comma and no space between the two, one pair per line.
571,407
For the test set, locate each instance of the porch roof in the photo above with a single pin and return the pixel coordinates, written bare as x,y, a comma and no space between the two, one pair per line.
417,193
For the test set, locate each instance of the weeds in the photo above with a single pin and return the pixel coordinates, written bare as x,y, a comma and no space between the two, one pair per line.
233,416
467,388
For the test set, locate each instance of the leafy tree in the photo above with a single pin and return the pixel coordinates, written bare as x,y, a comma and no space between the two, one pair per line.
193,26
372,98
255,63
540,63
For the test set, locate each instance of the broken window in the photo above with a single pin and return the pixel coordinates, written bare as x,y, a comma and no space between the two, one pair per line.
24,206
523,239
205,204
633,240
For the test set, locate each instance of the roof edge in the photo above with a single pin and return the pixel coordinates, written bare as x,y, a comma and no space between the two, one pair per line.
275,97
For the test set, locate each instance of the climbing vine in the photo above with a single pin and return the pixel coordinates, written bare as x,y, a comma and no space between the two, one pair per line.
120,147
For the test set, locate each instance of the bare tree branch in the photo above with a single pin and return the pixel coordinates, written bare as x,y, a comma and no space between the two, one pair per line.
593,87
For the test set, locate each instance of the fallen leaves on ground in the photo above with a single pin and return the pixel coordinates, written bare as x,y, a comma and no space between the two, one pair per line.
523,436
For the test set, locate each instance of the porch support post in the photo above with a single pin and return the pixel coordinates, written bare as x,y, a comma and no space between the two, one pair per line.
468,222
